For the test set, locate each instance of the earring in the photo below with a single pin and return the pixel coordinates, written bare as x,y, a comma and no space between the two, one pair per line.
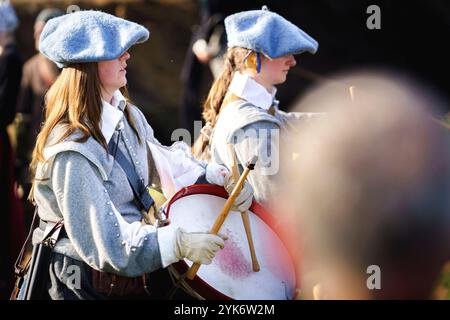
253,61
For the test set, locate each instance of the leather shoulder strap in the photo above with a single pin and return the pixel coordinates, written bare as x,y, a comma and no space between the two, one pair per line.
141,194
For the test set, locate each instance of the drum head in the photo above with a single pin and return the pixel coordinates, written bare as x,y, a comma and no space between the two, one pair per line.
230,275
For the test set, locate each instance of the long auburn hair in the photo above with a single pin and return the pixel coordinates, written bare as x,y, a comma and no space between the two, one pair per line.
233,61
74,100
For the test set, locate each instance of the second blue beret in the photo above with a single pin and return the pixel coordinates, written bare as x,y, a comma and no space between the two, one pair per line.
268,33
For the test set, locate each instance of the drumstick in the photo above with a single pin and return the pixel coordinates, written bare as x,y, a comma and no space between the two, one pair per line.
244,214
232,155
190,274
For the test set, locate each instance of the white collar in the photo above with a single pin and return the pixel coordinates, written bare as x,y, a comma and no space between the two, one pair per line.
243,86
112,114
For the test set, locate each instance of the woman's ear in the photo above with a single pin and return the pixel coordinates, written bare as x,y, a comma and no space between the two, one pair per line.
251,62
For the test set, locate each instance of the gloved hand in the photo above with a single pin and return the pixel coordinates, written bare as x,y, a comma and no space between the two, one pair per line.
215,173
244,199
200,247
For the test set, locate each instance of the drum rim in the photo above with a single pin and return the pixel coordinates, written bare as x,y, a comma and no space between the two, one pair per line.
202,287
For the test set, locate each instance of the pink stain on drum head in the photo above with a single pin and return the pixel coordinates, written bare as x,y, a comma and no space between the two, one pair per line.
232,261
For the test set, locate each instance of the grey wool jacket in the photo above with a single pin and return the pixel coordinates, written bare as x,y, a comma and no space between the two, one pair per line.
82,183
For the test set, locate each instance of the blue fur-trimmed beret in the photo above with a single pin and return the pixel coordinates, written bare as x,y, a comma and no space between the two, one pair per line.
268,33
88,36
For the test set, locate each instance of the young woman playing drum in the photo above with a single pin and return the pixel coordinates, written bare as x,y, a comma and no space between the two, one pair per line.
93,141
241,107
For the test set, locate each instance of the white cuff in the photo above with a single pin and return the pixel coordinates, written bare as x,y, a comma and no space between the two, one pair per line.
166,242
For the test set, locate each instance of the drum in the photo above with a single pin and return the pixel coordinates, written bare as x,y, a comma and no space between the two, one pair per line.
230,275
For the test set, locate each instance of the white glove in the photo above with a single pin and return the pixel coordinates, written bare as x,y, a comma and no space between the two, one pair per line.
215,174
244,199
199,247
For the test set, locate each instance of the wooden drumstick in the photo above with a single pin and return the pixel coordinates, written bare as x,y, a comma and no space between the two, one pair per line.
190,274
232,156
244,214
352,90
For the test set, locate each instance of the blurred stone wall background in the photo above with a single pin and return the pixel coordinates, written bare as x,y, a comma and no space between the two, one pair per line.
411,40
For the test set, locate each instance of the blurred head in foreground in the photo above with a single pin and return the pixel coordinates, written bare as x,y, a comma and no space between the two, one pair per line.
368,187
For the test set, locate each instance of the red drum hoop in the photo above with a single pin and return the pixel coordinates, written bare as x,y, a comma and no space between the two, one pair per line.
225,278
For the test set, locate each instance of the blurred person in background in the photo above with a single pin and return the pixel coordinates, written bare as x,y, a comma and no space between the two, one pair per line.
11,223
208,44
366,191
39,73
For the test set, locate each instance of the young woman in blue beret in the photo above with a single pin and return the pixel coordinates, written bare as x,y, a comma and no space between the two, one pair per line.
241,108
89,126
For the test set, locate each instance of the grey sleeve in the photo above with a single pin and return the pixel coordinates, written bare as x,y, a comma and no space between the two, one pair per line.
261,139
98,232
